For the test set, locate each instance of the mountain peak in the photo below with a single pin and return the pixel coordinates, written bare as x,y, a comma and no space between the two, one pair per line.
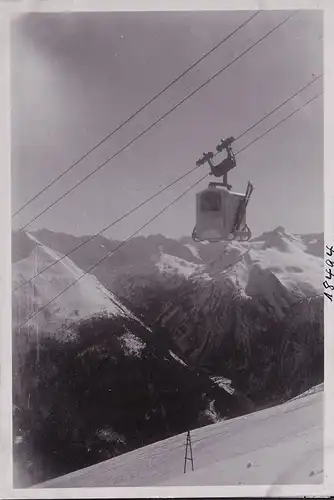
280,229
54,285
280,239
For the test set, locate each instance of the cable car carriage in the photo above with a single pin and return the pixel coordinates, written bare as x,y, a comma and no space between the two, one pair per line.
221,213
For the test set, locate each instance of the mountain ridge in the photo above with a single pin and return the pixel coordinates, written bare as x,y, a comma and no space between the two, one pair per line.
273,271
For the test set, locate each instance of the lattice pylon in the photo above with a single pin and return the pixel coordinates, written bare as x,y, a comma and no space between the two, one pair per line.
189,453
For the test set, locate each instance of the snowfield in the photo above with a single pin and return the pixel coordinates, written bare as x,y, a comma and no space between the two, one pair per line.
277,446
171,264
295,268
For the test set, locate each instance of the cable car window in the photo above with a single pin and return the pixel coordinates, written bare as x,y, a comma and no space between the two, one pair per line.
211,202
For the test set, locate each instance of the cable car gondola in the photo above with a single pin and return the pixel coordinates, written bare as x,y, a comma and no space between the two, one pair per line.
221,213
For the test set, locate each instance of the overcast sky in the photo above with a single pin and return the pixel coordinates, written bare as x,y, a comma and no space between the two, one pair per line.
77,76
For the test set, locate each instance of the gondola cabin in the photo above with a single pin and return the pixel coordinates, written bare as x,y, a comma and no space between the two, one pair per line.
220,215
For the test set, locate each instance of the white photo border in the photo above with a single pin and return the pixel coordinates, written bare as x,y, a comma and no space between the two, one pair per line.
9,9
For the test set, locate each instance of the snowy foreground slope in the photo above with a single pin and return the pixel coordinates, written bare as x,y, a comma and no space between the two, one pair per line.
279,445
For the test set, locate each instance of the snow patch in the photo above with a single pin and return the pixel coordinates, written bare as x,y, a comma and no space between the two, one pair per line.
171,264
223,383
313,390
132,345
211,413
110,436
194,251
177,358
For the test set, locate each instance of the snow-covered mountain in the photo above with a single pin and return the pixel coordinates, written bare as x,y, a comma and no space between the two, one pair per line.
61,294
76,296
224,287
246,322
278,253
296,260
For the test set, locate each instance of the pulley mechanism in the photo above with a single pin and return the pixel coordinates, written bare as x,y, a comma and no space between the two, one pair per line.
221,169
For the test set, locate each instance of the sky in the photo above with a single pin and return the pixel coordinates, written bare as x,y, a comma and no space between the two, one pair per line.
77,76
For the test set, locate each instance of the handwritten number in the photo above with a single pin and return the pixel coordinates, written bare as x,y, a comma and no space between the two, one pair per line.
330,250
327,285
329,274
